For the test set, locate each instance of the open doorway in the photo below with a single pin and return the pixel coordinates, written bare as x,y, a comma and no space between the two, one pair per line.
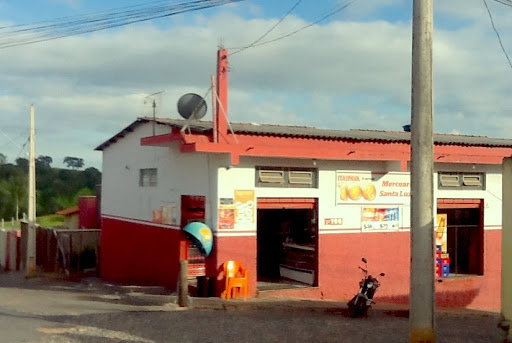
465,235
287,247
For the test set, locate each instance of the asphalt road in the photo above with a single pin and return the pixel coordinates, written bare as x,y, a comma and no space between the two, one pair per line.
39,312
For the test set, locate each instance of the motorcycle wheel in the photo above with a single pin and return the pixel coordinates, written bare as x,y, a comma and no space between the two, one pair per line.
363,311
354,306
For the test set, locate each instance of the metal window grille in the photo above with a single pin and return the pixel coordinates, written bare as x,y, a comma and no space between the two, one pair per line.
271,176
301,177
148,177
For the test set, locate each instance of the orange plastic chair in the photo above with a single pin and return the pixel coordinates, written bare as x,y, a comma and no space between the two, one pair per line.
237,280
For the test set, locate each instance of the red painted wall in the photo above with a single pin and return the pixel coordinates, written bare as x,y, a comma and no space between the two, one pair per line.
138,253
389,252
146,254
241,249
87,213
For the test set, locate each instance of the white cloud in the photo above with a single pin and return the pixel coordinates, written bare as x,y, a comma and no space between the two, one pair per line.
342,75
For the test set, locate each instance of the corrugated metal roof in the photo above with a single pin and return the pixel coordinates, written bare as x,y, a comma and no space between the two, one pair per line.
312,132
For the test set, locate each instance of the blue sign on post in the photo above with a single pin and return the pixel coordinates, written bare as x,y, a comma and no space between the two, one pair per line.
201,236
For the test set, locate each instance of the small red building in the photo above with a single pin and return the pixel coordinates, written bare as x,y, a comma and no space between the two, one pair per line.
298,206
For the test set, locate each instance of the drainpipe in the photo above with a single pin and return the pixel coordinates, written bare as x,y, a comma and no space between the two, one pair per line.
221,115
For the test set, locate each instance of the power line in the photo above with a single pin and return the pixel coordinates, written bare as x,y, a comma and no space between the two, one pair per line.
269,30
328,15
505,2
22,149
23,34
497,33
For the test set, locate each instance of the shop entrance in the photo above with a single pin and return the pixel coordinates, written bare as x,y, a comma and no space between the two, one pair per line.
287,242
464,235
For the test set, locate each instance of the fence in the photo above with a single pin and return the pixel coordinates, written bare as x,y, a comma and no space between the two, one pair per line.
63,250
66,250
9,249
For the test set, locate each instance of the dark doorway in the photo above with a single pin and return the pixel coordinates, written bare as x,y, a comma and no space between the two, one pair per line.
465,238
287,246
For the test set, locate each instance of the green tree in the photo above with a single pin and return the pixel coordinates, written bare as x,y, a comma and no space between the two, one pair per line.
43,161
57,188
74,162
92,177
22,163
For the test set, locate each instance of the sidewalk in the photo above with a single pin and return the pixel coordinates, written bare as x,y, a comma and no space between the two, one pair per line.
95,289
93,304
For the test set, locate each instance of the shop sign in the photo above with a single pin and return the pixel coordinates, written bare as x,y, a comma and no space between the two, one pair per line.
333,221
226,213
380,219
441,232
369,187
244,208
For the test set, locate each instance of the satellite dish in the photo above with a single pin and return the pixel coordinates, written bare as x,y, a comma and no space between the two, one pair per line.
191,106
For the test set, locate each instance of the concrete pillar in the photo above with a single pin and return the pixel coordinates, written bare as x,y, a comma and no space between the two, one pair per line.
506,248
422,304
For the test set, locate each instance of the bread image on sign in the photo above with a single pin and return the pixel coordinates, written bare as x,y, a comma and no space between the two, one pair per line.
343,193
355,192
369,192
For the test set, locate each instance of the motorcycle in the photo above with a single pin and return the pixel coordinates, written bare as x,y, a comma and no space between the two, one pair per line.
362,301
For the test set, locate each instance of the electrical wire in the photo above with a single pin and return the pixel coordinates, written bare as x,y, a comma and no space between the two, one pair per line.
23,148
328,15
269,30
505,2
497,33
322,18
23,34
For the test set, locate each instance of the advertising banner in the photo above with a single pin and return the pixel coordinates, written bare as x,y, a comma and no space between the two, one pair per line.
366,188
244,208
226,213
441,232
380,219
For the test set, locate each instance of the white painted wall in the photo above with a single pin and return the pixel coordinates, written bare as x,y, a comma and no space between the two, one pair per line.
178,174
492,195
212,176
243,177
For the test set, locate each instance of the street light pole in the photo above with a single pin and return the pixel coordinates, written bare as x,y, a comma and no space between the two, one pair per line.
422,293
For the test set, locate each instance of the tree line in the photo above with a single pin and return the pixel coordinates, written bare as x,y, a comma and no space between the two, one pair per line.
56,188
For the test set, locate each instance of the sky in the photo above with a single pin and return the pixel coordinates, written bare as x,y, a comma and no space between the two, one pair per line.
349,71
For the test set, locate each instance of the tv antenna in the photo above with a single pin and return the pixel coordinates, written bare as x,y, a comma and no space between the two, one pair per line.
153,104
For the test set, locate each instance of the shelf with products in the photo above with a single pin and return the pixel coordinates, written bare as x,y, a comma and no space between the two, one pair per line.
297,256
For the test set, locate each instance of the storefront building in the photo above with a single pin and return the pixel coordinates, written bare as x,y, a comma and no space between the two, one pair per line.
298,206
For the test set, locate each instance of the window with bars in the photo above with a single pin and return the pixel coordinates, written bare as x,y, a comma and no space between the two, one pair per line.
148,177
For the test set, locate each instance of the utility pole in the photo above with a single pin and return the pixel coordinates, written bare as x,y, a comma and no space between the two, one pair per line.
31,239
422,293
506,249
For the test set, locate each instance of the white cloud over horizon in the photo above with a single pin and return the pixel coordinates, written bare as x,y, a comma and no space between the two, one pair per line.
343,74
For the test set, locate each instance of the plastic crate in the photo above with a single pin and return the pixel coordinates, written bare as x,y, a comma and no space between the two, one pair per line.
438,270
445,270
